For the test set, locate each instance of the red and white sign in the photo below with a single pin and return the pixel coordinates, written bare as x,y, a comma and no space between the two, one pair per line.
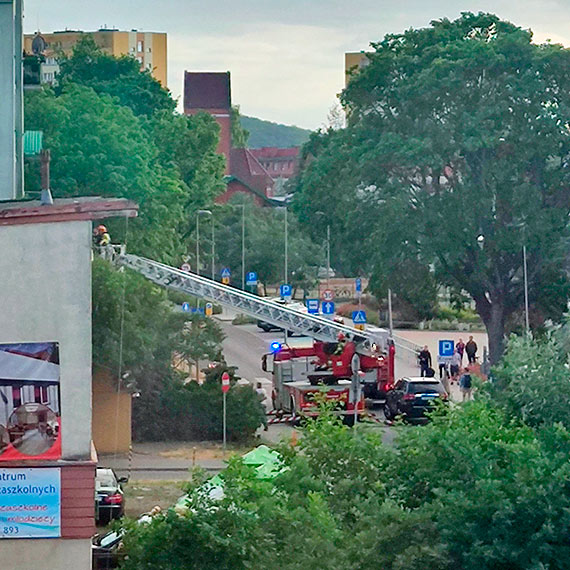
225,382
185,267
328,295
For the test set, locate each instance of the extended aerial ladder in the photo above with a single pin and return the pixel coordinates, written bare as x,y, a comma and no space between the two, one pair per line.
314,326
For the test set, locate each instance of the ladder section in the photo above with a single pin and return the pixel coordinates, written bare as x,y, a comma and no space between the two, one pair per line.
252,305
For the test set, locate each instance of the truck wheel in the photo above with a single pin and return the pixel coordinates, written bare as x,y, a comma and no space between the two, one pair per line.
348,420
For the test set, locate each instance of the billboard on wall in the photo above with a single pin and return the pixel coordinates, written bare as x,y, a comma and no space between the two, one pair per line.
30,503
30,416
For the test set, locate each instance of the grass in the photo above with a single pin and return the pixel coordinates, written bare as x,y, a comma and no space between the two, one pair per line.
142,495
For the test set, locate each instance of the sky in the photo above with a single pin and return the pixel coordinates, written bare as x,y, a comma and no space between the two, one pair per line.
286,58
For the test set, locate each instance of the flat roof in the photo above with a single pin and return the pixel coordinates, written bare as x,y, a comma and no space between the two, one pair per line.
17,212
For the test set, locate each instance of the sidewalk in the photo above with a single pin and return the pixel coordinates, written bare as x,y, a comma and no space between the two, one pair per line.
176,458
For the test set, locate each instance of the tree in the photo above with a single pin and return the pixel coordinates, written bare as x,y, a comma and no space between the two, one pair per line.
456,131
119,77
202,338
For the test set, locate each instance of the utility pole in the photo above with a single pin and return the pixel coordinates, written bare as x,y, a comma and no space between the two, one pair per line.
328,256
286,247
525,290
242,247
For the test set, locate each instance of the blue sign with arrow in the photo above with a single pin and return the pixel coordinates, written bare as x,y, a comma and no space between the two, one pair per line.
285,290
328,308
358,283
186,307
251,278
312,306
359,317
226,272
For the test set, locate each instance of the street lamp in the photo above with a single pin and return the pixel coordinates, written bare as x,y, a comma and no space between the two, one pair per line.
205,213
242,206
286,243
481,242
328,249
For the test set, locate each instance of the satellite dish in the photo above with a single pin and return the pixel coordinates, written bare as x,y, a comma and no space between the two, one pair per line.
38,45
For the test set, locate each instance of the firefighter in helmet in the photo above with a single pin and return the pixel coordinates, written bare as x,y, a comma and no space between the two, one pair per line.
101,237
340,344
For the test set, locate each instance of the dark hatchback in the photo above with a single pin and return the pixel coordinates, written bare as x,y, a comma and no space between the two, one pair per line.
412,397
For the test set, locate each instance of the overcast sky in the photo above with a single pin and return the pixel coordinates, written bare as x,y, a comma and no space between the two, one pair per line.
286,57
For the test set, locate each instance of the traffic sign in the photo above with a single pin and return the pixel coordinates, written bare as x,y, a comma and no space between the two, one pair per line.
209,309
328,295
328,308
358,284
251,278
225,382
359,317
185,267
186,307
285,290
312,306
226,272
446,347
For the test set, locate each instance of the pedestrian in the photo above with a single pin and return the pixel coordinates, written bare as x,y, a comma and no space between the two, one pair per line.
471,350
442,363
465,385
445,382
460,347
262,395
424,360
101,236
455,366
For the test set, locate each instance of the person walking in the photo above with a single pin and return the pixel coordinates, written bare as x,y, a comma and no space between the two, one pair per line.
442,364
262,396
424,360
455,366
465,385
460,347
471,350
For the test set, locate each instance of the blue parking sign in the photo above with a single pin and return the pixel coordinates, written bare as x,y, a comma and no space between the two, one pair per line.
446,347
285,290
313,306
328,308
251,278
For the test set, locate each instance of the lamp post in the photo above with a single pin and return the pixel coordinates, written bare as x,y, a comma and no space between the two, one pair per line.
481,242
286,244
328,249
242,206
206,213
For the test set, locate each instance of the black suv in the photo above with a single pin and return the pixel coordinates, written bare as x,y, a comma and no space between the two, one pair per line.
412,397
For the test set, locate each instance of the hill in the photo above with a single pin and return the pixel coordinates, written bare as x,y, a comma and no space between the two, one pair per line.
265,133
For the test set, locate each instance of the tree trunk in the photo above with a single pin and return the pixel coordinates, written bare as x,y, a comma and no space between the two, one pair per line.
198,371
495,324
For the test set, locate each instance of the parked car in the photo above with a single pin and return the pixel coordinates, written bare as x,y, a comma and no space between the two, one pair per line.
109,498
268,327
106,549
412,397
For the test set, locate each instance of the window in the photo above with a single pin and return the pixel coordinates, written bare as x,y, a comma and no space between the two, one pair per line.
140,46
140,60
44,395
148,50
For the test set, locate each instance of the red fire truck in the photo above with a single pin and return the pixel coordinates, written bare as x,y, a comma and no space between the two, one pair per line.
303,367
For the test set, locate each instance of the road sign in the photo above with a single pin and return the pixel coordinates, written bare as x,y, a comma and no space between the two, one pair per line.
209,309
226,272
328,295
358,284
359,327
185,267
359,317
225,382
328,308
446,347
251,278
285,290
312,306
186,307
197,311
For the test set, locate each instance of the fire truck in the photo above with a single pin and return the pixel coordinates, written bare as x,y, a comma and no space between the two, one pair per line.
330,356
302,368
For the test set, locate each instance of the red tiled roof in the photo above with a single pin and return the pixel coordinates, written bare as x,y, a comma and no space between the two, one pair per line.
246,168
275,152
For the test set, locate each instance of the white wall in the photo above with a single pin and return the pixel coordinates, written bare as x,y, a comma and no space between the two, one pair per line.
24,554
45,295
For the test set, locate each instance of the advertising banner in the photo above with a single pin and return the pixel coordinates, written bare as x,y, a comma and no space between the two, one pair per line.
30,418
30,503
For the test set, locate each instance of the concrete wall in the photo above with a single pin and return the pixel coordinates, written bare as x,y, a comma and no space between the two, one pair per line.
7,102
25,554
45,295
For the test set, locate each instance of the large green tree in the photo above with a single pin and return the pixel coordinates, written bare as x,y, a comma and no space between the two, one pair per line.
455,132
